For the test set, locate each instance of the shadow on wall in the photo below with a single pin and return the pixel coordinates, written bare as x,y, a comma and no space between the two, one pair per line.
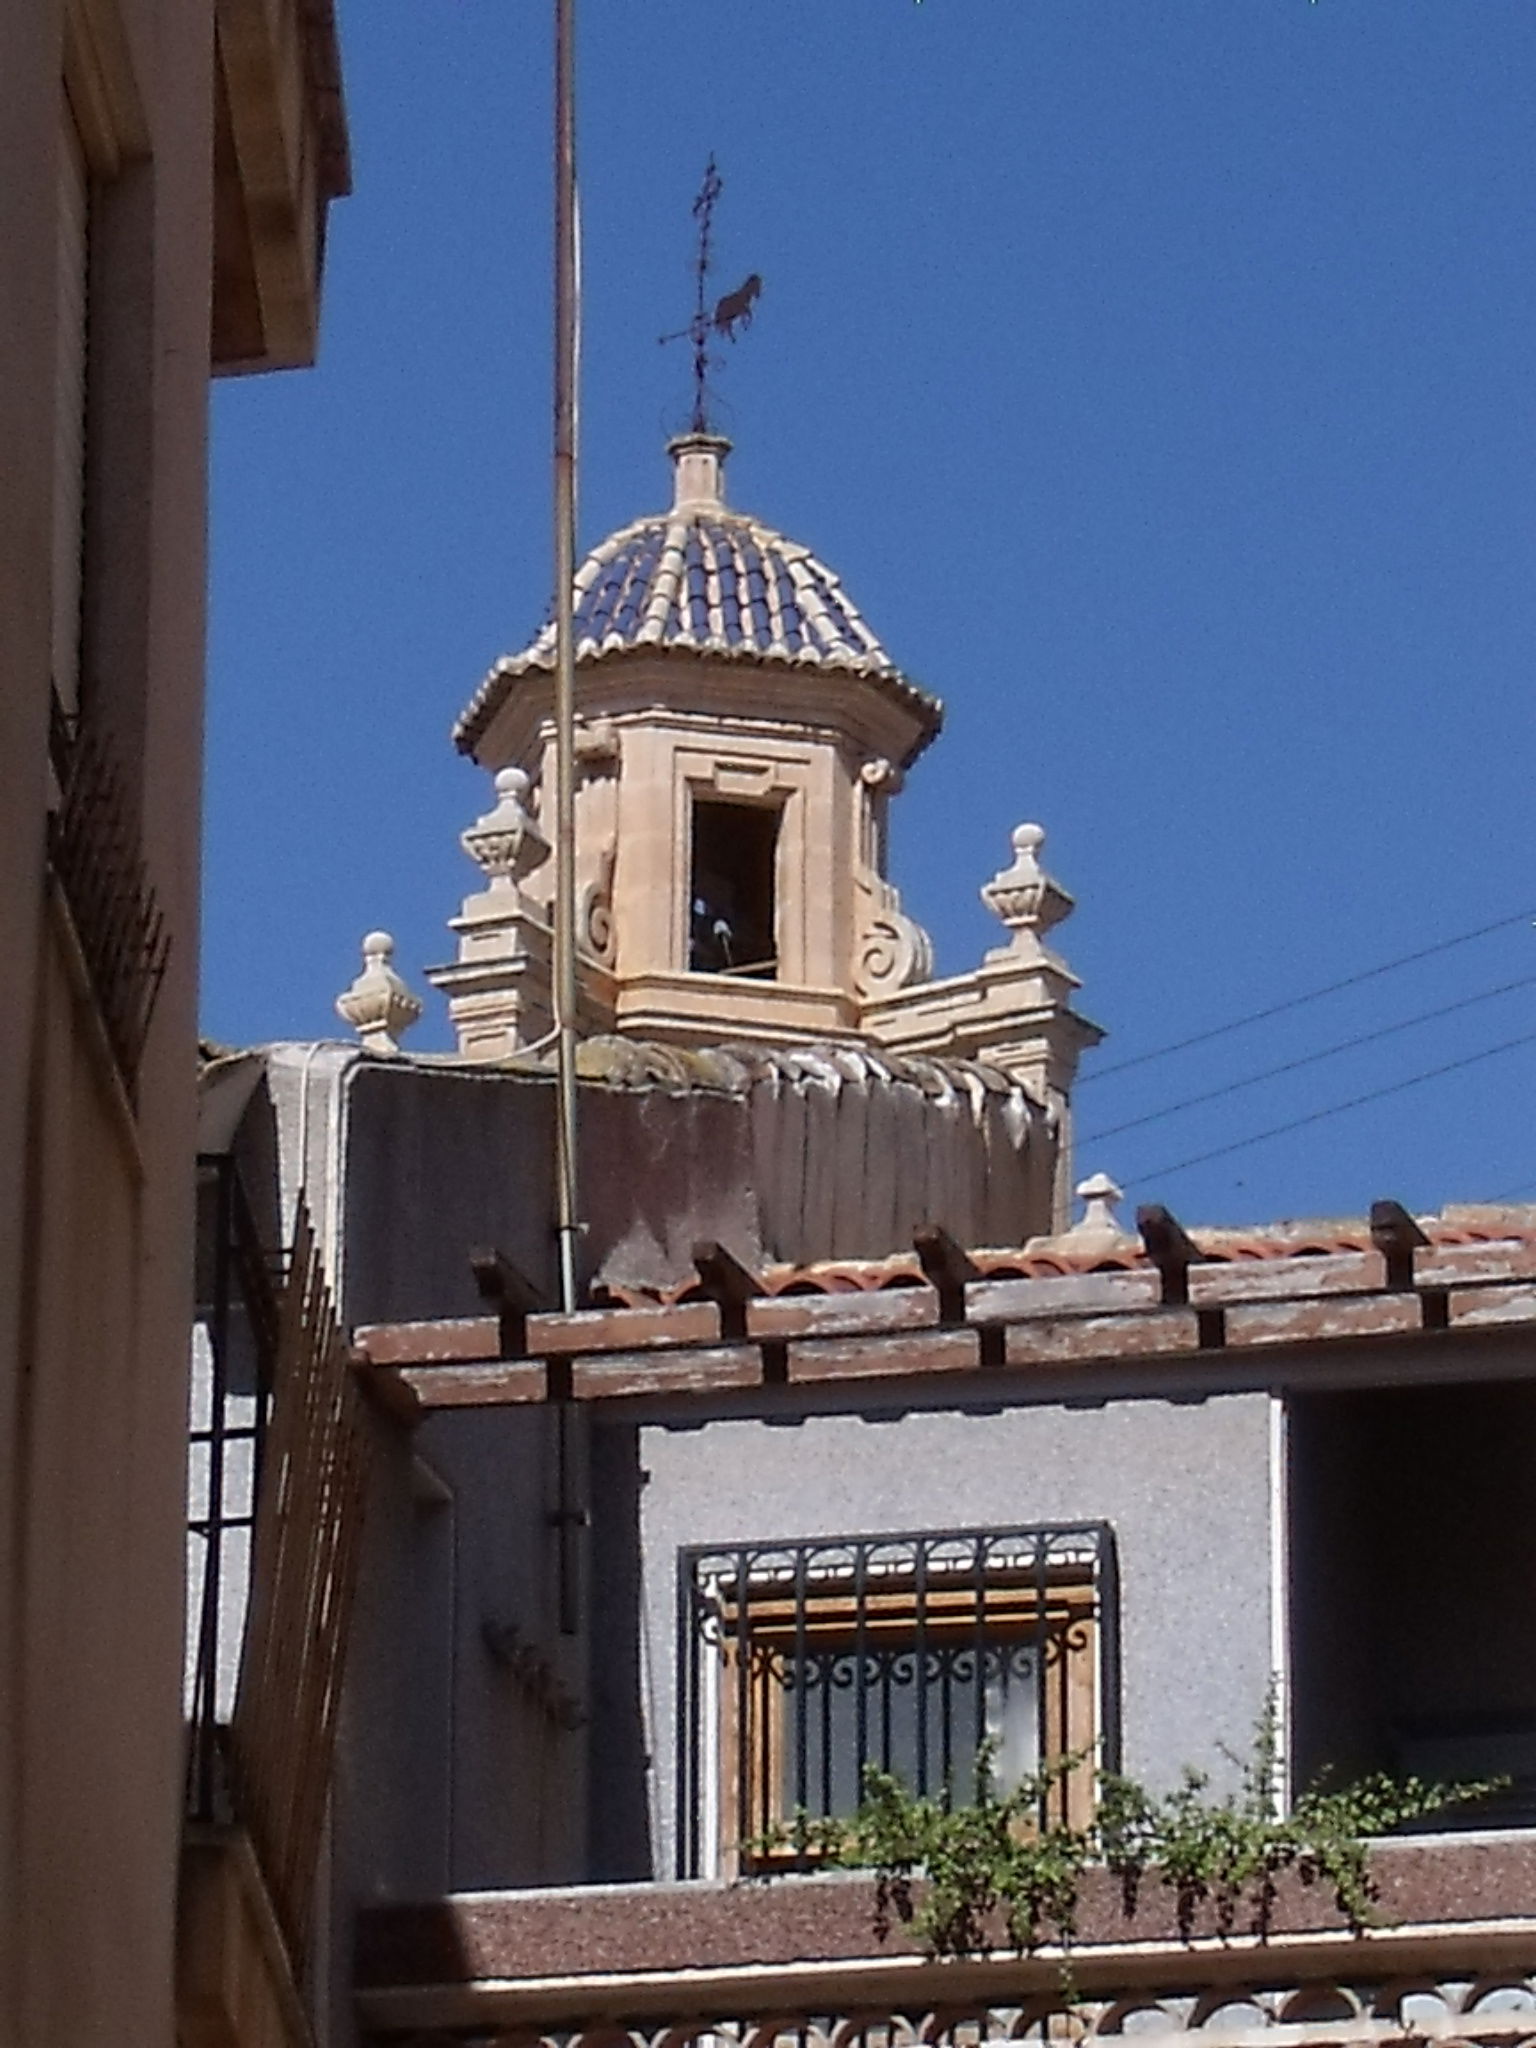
619,1844
1413,1532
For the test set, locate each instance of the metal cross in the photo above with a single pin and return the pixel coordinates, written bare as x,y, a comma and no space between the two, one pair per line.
729,313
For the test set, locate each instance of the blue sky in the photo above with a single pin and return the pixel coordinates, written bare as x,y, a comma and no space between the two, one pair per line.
1160,375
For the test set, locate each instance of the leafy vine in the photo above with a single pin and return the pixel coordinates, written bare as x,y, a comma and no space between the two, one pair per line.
1005,1870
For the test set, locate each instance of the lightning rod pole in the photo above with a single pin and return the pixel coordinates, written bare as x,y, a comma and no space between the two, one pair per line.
567,347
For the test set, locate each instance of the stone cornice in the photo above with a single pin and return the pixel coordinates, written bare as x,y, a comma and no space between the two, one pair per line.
902,719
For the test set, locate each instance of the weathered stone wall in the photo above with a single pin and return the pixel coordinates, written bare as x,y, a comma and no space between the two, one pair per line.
787,1156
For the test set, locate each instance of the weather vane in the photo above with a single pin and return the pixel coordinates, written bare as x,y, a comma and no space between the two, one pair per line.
730,313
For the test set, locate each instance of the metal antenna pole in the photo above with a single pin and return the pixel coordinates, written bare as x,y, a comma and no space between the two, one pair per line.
567,346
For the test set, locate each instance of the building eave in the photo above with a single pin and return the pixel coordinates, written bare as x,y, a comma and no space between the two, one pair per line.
281,155
945,1324
923,711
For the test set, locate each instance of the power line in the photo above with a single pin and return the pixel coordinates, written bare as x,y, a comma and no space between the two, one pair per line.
1309,1059
1333,988
1316,1116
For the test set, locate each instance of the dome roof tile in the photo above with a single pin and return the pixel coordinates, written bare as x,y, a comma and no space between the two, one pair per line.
705,579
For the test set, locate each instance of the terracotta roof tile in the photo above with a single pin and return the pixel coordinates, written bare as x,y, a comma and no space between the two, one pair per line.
1060,1255
1075,1299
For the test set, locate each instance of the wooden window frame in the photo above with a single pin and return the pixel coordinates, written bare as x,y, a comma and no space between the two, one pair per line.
1066,1602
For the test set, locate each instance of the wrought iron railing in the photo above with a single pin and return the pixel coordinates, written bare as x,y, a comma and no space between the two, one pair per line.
304,1556
93,848
278,1448
939,1656
233,1366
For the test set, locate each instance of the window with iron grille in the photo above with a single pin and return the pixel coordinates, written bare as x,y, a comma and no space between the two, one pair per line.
802,1662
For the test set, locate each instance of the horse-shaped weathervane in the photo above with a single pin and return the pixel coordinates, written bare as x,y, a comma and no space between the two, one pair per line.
735,309
731,313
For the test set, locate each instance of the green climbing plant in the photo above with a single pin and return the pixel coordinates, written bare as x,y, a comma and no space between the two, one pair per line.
969,1877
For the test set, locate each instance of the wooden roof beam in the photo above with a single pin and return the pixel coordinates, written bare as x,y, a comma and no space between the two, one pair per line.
724,1280
1397,1237
947,1267
1170,1248
512,1294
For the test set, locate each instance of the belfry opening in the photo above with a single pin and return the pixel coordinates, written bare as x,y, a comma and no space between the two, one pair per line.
732,915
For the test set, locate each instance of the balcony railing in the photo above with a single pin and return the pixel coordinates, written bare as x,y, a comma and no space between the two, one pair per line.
93,848
304,1557
278,1480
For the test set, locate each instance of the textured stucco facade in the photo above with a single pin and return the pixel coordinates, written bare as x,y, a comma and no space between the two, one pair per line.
410,1163
1186,1487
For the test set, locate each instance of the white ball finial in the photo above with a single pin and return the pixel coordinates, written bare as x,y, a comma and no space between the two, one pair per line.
378,1005
505,842
1028,900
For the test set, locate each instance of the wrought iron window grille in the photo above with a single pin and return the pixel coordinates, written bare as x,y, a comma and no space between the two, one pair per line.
93,849
802,1662
240,1285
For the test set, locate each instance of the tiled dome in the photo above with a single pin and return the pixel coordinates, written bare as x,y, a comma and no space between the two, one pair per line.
711,581
721,582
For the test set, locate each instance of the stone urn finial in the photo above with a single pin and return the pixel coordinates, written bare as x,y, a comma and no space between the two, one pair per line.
1028,900
505,841
1098,1195
378,1005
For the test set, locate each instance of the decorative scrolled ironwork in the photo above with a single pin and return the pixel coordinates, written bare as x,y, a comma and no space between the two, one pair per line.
804,1662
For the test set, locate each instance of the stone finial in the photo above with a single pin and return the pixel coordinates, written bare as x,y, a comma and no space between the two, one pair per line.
1098,1195
505,841
1028,900
698,471
378,1005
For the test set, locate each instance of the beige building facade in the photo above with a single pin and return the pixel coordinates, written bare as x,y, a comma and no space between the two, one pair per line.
165,167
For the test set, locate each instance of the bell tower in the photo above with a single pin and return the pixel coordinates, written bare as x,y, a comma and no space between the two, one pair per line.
741,734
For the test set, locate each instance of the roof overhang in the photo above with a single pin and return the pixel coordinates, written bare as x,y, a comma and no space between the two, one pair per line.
280,157
518,693
943,1324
